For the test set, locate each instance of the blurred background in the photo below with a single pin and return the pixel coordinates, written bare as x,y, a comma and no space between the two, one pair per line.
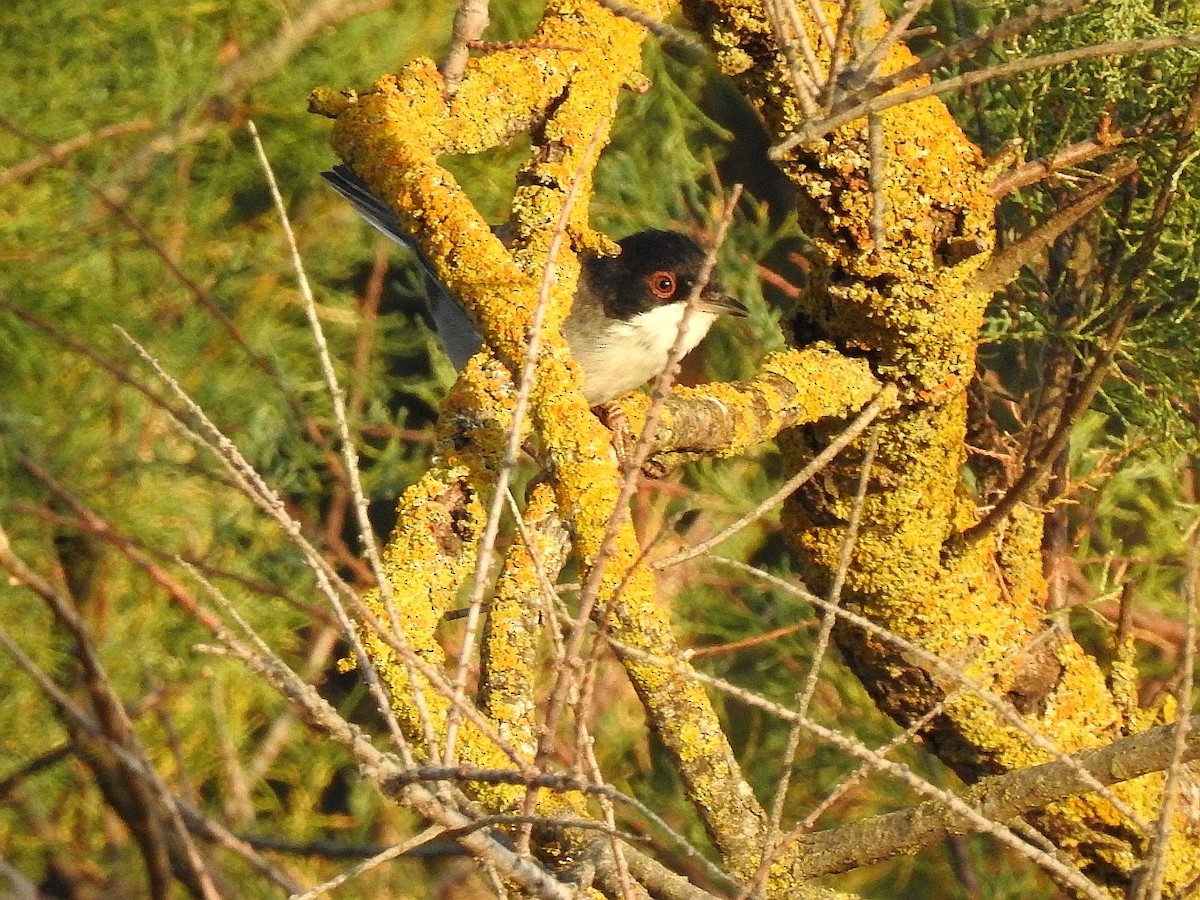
131,198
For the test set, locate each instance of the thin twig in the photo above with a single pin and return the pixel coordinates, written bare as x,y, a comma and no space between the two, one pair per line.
178,594
470,21
1151,885
1006,263
856,427
1001,797
198,293
112,724
384,769
805,84
1076,154
90,353
849,31
274,740
512,448
367,864
334,390
562,783
1002,705
771,843
56,154
1066,874
1081,399
590,590
964,49
592,768
865,70
909,734
820,127
817,10
839,576
656,27
331,585
876,174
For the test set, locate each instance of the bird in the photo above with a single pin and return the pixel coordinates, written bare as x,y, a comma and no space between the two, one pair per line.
627,310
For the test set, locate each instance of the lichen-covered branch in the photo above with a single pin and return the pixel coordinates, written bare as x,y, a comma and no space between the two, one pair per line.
562,86
905,298
794,387
1002,798
508,678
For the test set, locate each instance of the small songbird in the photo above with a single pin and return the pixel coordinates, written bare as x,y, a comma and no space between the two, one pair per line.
627,308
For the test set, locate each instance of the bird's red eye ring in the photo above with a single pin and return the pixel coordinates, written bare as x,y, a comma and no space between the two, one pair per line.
662,284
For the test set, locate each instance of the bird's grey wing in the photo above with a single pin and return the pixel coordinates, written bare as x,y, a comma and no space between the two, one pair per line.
458,334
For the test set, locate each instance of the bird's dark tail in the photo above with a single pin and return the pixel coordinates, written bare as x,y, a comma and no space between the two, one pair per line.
375,211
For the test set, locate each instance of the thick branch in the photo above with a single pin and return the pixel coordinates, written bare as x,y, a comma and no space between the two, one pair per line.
795,387
908,296
1000,799
566,80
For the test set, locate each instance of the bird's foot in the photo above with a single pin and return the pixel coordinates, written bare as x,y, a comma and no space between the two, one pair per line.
624,442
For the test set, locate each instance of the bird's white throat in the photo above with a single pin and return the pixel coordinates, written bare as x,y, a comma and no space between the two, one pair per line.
629,353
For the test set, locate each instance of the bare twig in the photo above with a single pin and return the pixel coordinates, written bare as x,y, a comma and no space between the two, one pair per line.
331,585
817,10
367,864
55,154
864,71
384,769
818,127
1002,705
1076,154
512,449
591,585
856,427
337,397
877,155
1005,265
656,27
1081,399
88,352
1001,797
1061,872
839,577
470,21
179,595
844,47
111,724
196,118
1150,884
963,50
805,81
771,843
910,733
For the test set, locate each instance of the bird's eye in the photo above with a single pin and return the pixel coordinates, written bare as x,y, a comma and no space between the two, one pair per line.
662,284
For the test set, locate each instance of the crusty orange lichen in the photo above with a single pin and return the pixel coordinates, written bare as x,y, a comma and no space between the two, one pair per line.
793,387
508,686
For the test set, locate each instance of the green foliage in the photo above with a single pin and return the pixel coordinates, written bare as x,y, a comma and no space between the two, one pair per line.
1049,109
1129,502
76,268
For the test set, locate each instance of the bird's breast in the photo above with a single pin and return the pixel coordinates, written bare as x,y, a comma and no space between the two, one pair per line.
617,356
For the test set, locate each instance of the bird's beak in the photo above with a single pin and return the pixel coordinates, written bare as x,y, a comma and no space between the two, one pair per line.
720,304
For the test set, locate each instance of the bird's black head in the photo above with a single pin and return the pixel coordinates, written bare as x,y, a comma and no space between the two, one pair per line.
655,268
